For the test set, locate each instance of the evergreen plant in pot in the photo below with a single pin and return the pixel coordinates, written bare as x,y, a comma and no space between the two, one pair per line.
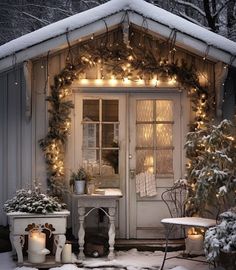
78,180
220,241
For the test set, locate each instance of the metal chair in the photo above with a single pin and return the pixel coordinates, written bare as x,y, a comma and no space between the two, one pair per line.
175,199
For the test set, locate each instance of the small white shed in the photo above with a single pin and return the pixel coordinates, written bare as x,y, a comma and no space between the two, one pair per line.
137,76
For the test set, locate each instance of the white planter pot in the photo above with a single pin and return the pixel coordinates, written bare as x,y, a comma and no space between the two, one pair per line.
79,187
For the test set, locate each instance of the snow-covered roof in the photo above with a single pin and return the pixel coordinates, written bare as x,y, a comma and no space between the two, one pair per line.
189,35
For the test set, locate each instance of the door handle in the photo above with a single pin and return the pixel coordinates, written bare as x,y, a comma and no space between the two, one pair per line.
132,174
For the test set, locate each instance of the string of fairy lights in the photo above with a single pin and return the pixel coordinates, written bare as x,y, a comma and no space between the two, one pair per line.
116,63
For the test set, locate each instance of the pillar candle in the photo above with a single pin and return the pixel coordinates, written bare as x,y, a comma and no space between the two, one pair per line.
194,244
36,245
66,253
37,240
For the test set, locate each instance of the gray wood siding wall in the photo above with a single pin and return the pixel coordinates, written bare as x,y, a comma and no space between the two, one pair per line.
42,80
15,137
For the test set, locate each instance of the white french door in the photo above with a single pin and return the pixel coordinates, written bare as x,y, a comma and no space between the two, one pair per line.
155,148
118,136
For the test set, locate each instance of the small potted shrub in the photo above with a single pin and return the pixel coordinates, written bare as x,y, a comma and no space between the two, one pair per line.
78,180
220,241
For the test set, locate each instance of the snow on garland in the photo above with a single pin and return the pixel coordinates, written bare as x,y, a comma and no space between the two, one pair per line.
142,64
33,201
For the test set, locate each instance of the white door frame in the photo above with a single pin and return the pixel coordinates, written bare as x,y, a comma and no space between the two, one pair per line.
73,155
176,96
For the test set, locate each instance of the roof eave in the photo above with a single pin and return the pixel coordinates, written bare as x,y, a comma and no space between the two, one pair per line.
186,41
59,42
55,43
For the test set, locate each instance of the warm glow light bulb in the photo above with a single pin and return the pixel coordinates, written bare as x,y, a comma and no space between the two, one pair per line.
113,80
84,81
140,81
126,80
171,81
98,81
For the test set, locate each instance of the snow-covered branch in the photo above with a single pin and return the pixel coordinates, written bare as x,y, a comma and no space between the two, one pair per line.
183,15
196,8
223,6
36,18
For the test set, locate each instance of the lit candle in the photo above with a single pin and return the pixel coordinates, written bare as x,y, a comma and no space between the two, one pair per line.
36,247
194,244
37,240
66,254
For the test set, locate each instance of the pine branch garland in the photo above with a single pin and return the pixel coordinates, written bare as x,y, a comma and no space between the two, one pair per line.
142,63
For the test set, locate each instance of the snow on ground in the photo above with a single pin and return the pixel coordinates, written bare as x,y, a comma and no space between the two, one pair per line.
130,260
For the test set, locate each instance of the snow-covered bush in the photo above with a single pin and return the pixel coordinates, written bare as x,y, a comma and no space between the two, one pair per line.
222,236
33,201
211,168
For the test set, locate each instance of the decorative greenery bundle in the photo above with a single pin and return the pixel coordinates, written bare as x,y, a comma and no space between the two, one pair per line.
33,201
211,171
221,237
53,145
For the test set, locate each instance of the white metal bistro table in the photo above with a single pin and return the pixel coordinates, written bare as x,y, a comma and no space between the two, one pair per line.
97,201
185,222
54,222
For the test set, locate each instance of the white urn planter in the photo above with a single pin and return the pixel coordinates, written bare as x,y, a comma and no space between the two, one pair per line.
21,224
80,187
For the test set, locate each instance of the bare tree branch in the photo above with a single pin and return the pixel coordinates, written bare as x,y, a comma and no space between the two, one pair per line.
35,18
184,3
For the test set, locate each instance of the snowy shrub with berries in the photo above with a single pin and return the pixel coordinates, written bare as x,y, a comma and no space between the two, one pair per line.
222,237
33,201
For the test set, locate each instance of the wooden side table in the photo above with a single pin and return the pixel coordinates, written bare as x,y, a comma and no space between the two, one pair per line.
21,222
97,201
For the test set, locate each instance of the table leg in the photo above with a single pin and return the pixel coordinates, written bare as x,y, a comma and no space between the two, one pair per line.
111,232
81,232
60,240
168,231
18,242
12,238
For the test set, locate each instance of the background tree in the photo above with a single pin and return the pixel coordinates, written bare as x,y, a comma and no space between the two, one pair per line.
18,17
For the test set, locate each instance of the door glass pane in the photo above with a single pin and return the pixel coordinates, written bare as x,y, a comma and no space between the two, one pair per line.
90,110
91,161
144,110
110,134
164,162
91,135
110,162
164,135
144,161
164,110
144,135
110,111
154,139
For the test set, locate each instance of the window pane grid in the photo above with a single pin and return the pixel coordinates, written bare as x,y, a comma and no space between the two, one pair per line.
154,136
101,158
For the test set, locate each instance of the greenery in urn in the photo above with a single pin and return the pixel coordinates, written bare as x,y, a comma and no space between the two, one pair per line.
222,237
33,201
